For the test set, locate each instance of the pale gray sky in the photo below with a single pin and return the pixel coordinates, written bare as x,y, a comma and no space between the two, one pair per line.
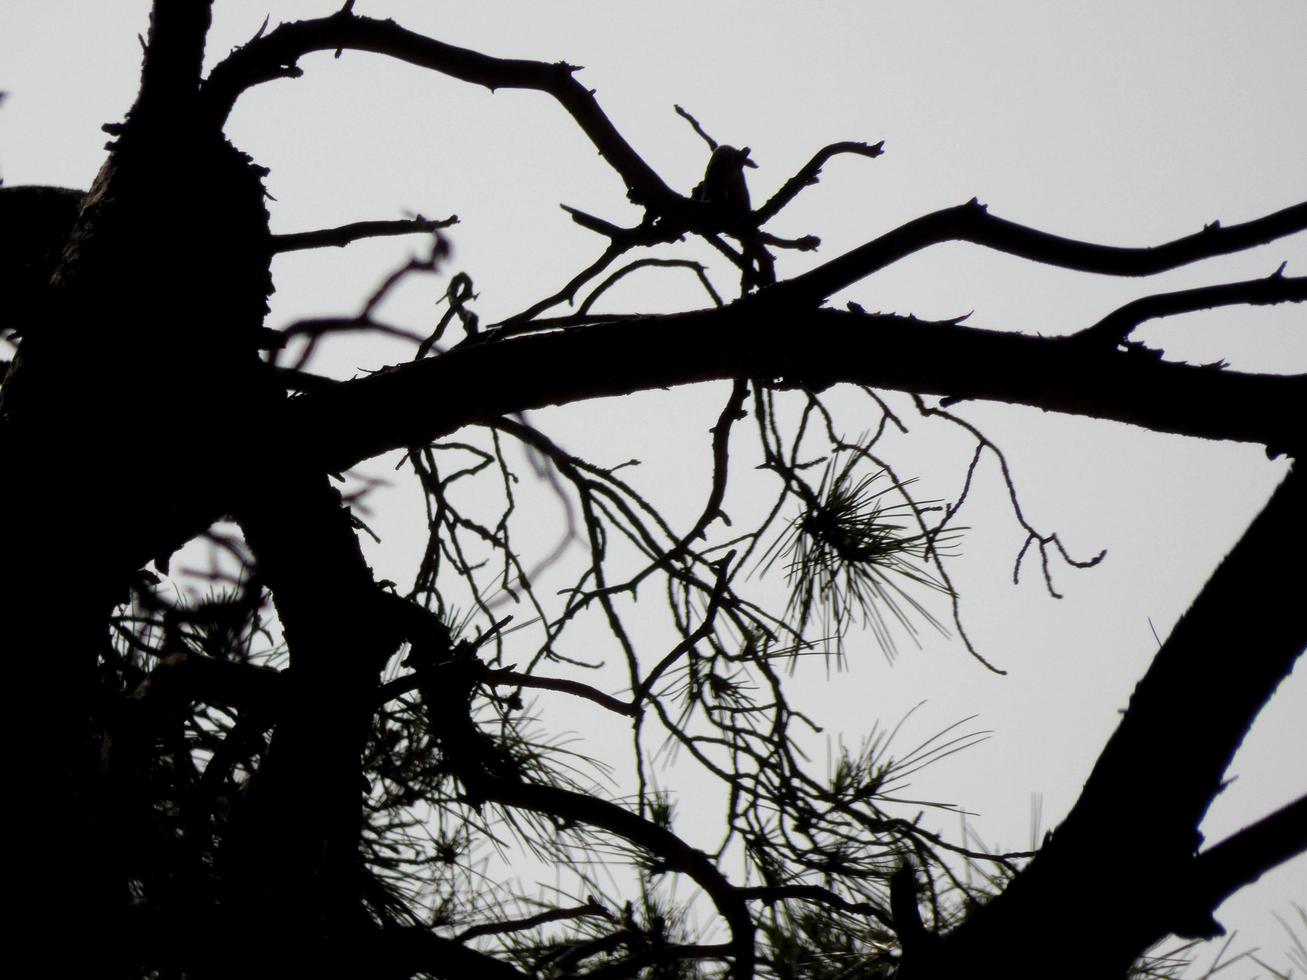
1122,122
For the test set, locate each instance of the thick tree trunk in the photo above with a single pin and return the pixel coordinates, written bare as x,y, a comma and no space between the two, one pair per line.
127,419
1122,871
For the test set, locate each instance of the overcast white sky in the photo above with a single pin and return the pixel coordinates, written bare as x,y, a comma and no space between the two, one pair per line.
1122,122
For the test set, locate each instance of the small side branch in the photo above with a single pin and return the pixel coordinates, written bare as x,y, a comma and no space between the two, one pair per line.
346,234
721,438
534,921
694,124
695,267
811,173
520,322
1238,861
699,635
1116,327
495,678
815,893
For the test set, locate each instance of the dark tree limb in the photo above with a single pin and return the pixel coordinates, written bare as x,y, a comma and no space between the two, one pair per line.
174,55
295,851
36,222
701,633
414,949
358,419
521,322
1195,702
533,921
972,222
673,852
275,55
731,413
651,955
1128,844
819,895
1116,327
810,173
1238,861
184,677
346,234
505,677
647,263
694,124
599,225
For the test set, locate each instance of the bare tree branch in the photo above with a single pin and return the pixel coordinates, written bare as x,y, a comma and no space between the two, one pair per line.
174,55
1116,327
534,921
972,222
346,234
1186,719
275,55
365,417
818,894
810,173
1238,861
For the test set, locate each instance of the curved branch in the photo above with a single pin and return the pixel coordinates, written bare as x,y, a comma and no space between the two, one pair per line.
416,403
972,222
276,54
810,173
534,921
731,413
505,677
521,322
675,854
1191,700
701,633
695,267
1117,326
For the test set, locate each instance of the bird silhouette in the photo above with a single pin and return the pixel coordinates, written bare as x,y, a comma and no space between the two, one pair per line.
723,185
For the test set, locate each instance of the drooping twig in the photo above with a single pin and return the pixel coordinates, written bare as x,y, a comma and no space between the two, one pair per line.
731,413
1045,542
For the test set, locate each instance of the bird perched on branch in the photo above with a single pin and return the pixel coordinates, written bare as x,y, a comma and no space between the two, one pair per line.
725,194
723,185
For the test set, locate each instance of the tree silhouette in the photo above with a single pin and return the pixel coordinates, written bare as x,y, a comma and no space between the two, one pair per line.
226,787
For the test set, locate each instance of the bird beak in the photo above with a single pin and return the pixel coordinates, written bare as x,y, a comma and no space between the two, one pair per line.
747,162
